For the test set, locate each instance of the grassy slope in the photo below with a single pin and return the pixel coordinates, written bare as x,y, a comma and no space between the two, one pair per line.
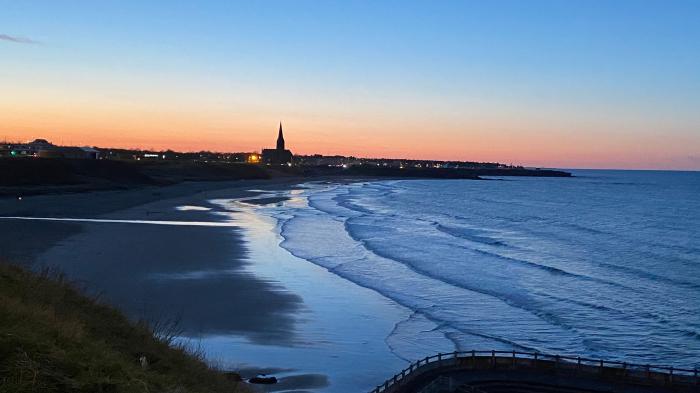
53,339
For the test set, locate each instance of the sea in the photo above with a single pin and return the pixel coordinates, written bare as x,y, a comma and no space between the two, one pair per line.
605,264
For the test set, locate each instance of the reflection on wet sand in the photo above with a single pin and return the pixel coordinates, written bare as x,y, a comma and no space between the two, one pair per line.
117,221
189,270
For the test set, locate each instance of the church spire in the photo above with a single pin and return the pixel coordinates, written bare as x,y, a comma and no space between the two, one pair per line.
280,139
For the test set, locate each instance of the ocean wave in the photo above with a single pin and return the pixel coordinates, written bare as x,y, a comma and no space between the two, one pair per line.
468,234
552,269
650,276
520,301
514,275
363,276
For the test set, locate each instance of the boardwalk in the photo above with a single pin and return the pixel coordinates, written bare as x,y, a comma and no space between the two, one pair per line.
500,371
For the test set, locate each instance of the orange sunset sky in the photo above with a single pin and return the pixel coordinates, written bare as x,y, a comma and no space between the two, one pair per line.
568,87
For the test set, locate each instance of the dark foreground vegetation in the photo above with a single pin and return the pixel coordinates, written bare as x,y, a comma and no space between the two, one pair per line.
54,339
28,176
40,175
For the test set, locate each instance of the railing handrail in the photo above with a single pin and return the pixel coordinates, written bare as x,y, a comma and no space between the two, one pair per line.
414,366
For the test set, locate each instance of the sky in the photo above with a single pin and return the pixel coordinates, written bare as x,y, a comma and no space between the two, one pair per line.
568,84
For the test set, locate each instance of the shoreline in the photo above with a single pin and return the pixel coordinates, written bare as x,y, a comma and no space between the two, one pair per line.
161,260
23,241
342,328
166,273
304,330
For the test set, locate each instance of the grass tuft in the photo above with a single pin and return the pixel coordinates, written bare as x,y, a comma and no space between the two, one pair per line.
55,339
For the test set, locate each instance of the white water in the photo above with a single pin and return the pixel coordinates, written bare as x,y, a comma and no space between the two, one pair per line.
606,264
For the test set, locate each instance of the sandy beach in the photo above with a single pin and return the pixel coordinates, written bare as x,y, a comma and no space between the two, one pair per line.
129,263
197,255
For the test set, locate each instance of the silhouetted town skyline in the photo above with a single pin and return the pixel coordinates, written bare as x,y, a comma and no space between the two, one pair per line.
278,156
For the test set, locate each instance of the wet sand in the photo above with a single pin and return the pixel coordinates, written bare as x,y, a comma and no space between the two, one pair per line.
155,272
265,201
340,343
245,302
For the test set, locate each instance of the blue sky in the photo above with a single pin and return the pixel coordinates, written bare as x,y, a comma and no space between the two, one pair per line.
613,83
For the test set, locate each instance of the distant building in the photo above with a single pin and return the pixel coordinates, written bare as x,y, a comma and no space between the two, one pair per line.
45,149
82,153
279,155
40,144
253,158
31,148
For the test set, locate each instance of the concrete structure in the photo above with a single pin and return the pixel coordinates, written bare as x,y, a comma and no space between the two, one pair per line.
278,155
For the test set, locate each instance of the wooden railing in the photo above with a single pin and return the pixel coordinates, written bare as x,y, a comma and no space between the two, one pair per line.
451,360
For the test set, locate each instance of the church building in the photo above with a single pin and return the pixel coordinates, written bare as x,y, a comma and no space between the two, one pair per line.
279,155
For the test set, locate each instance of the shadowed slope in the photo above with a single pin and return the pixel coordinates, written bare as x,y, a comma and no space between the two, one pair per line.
52,338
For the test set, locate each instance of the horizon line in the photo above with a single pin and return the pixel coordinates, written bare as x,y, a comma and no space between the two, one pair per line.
70,144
